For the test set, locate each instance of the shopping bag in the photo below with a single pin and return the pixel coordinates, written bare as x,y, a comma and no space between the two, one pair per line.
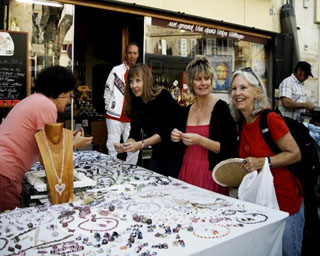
258,188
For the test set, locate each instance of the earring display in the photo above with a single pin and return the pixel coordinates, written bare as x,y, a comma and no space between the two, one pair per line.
134,211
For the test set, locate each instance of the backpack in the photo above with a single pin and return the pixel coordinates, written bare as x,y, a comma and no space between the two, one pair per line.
308,169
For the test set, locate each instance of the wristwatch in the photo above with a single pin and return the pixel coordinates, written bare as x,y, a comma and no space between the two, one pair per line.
269,161
143,144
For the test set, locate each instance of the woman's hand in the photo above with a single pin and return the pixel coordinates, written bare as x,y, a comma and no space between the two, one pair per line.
132,146
129,146
118,147
176,135
79,141
191,139
251,164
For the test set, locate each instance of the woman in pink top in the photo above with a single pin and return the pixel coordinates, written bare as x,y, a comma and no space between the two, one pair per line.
207,129
18,149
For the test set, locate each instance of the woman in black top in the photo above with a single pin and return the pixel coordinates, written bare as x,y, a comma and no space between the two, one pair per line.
153,110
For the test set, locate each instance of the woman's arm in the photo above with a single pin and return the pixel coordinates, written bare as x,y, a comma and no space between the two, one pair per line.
290,154
133,146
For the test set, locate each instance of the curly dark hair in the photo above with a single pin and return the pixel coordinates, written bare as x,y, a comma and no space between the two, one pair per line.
53,81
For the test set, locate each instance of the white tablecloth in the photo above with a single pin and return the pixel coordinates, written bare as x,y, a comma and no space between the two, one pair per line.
186,220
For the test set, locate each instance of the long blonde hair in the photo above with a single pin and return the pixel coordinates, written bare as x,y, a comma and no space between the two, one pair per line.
149,92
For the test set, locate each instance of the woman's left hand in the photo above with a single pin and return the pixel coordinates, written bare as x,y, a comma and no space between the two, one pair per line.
131,146
190,139
251,164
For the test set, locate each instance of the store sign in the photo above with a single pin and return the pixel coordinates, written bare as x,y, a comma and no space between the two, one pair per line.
215,31
198,28
205,30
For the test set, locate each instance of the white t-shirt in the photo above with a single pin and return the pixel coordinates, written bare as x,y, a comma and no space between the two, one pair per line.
292,88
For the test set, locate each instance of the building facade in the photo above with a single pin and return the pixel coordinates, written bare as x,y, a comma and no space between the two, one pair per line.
89,37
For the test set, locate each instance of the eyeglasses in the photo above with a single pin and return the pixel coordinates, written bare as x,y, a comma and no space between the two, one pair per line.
249,70
71,96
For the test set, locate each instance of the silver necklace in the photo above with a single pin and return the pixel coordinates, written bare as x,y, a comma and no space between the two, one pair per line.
60,187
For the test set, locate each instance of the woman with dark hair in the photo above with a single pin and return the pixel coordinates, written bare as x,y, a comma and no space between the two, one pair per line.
207,129
54,89
152,109
248,99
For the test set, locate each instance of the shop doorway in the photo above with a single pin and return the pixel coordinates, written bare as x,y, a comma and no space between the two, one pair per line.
100,37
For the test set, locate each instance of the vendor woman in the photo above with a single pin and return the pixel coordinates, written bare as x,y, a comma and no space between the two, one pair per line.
18,149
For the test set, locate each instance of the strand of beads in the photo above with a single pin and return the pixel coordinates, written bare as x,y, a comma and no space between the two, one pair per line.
252,218
106,224
216,231
5,243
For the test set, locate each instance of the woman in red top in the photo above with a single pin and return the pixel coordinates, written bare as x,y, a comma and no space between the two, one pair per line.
248,98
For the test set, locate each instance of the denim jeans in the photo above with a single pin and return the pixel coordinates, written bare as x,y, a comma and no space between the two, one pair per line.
293,234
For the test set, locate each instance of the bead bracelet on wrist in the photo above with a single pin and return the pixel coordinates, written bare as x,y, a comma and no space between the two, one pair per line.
143,144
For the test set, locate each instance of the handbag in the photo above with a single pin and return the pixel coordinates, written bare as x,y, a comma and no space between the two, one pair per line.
258,188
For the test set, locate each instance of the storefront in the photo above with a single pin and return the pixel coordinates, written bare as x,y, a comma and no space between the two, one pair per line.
89,37
170,45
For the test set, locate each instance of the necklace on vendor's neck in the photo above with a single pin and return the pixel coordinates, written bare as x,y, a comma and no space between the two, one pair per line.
60,187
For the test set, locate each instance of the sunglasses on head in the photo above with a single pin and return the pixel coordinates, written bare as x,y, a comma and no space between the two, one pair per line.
200,61
249,70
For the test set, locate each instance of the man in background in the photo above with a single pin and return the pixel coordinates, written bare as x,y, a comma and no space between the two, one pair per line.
118,124
292,94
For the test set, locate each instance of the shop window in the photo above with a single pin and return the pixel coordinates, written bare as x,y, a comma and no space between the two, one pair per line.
50,30
170,46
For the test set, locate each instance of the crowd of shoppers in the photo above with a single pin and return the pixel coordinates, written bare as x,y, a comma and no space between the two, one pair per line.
187,142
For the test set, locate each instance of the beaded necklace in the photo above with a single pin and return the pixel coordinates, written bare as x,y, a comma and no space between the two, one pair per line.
107,223
216,231
60,187
252,218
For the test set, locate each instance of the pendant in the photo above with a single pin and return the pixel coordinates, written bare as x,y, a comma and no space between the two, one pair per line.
60,188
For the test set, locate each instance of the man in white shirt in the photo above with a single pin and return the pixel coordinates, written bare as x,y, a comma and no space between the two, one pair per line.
292,95
118,124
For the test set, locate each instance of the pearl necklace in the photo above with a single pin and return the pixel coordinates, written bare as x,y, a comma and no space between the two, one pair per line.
60,187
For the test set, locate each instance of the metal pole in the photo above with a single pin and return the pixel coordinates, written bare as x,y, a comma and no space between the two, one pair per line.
7,21
2,14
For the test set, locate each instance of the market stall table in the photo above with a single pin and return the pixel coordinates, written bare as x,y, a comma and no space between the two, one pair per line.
134,211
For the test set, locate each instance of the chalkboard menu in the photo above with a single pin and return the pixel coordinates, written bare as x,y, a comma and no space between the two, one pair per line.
13,65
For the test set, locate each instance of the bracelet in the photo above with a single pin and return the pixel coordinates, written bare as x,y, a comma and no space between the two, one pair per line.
143,144
269,161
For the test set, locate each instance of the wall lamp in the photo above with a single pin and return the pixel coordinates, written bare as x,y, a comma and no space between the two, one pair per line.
42,2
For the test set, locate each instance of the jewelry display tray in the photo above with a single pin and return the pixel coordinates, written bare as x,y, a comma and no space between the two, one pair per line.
38,180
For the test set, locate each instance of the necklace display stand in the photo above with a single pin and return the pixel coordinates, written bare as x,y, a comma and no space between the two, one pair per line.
56,150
